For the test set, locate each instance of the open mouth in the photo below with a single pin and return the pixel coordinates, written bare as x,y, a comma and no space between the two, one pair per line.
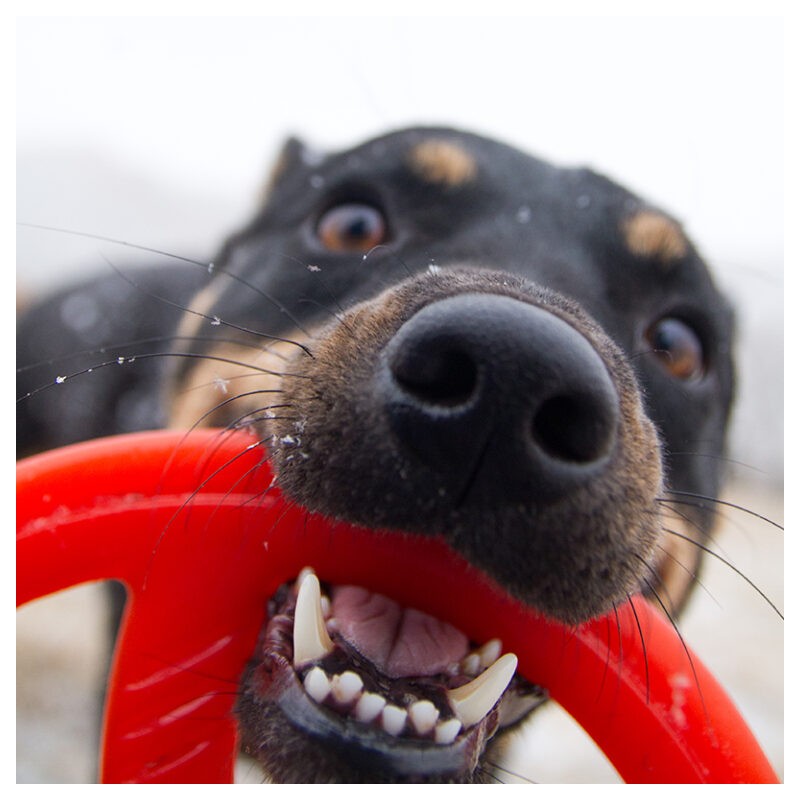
399,687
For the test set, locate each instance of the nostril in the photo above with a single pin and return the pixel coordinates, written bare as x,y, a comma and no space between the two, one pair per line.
446,377
576,428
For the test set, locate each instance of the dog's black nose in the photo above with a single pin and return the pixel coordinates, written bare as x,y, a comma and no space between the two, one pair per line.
501,398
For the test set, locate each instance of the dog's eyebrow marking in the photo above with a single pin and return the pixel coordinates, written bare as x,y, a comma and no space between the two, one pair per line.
649,234
442,161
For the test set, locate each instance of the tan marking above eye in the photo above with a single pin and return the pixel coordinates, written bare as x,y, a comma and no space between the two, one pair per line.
649,234
443,162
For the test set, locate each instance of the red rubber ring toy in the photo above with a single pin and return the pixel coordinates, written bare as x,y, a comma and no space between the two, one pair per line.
185,522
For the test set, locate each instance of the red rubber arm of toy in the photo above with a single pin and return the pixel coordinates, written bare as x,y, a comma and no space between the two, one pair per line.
187,524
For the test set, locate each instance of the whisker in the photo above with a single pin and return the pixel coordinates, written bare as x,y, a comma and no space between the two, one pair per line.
727,564
121,360
199,489
338,317
233,399
222,383
496,765
716,501
693,575
644,651
718,457
138,343
395,257
206,266
489,774
214,320
683,644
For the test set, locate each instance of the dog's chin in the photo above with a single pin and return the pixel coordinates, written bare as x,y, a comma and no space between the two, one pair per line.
351,686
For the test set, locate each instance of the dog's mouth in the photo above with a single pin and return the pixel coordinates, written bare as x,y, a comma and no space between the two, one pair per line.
400,690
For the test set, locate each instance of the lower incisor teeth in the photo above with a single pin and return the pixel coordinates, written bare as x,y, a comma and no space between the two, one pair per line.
490,652
471,665
447,731
368,707
317,685
423,715
393,719
346,687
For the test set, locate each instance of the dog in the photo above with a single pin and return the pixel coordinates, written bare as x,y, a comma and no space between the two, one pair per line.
434,333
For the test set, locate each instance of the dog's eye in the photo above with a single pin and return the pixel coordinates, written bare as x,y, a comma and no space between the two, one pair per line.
678,347
352,228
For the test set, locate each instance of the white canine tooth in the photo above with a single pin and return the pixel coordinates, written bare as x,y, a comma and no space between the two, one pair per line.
471,665
490,652
346,687
447,731
304,573
473,701
368,707
423,715
393,719
311,640
317,685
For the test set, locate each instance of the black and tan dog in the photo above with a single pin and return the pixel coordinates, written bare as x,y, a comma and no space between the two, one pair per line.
438,334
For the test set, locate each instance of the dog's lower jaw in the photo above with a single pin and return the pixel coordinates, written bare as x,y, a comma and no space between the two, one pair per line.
271,716
364,690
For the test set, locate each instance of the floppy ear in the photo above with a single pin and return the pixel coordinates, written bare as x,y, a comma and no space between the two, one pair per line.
293,155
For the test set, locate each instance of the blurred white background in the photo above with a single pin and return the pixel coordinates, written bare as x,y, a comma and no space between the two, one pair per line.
160,131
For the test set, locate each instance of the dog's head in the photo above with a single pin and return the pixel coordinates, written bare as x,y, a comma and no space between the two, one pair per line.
438,334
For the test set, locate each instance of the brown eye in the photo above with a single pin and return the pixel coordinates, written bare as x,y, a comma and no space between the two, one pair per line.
678,348
352,228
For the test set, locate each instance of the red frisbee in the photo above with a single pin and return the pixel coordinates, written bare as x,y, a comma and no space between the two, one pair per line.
188,524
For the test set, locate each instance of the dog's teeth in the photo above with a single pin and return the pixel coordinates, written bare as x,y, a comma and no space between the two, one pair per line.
311,640
471,664
423,715
304,573
325,604
346,687
317,685
368,707
393,720
473,701
490,652
446,732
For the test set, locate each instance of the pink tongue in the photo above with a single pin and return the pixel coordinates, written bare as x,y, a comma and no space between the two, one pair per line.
401,642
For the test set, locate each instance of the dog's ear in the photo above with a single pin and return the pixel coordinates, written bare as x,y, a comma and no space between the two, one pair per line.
293,155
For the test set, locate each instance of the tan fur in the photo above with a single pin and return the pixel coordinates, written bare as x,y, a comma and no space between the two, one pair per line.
442,162
201,304
649,234
678,562
230,370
